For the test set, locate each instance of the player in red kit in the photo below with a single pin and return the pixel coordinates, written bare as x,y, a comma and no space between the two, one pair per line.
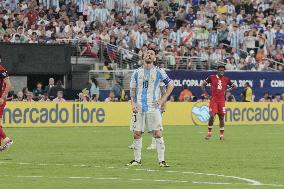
5,86
219,85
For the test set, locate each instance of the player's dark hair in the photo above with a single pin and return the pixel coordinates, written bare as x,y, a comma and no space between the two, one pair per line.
94,80
221,66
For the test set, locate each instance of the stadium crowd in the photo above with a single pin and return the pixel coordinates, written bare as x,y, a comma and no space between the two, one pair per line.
55,92
240,33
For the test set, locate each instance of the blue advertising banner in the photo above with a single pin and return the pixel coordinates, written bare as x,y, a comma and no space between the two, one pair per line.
261,82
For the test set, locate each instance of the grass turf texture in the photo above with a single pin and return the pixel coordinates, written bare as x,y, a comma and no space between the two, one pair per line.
99,154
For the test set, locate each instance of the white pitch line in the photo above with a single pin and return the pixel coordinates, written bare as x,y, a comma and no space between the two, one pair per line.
111,178
249,181
79,177
172,171
24,163
217,183
276,185
107,178
29,176
162,180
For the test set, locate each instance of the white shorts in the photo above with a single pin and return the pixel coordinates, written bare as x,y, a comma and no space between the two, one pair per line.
151,120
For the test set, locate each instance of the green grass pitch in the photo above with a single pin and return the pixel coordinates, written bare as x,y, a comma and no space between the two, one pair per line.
94,158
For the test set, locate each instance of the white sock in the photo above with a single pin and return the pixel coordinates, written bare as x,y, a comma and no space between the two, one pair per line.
137,149
160,149
153,142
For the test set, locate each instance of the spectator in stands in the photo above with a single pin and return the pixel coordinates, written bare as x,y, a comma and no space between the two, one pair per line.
38,91
19,97
111,97
25,91
230,97
185,94
89,50
29,97
265,98
107,67
245,25
204,98
247,94
49,86
44,97
116,88
280,68
94,90
250,60
84,96
173,98
59,97
277,98
260,56
230,64
54,90
279,56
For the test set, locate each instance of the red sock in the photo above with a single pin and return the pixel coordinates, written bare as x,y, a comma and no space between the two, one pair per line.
222,132
2,133
209,129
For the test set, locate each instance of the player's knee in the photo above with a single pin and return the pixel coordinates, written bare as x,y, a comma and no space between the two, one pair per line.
211,118
221,118
137,135
157,134
212,115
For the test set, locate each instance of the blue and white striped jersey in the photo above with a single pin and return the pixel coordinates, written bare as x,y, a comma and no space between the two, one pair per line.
147,84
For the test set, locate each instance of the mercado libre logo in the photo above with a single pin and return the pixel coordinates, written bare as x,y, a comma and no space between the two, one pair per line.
200,114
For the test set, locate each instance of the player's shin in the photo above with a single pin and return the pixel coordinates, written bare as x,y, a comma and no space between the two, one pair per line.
160,148
2,133
137,149
210,124
222,127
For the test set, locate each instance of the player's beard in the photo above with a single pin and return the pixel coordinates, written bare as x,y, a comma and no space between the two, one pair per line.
221,74
148,62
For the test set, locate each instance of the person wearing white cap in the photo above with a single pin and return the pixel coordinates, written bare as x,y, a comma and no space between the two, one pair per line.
250,59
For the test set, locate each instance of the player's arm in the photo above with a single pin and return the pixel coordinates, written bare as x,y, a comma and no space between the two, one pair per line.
163,91
8,84
133,94
232,86
169,87
204,84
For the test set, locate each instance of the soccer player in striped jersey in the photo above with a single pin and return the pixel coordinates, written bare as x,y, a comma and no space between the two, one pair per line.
146,104
153,145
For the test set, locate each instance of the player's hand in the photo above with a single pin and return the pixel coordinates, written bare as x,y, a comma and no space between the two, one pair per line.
1,101
134,108
163,107
160,101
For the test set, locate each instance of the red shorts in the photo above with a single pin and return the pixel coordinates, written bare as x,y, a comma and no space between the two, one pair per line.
217,107
2,107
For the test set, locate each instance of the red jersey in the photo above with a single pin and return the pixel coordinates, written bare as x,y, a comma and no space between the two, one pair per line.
219,86
3,76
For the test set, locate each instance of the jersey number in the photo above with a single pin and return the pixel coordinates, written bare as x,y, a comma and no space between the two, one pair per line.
145,84
219,85
135,118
